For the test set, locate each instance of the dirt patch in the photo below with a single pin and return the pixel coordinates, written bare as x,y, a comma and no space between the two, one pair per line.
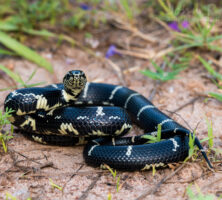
28,167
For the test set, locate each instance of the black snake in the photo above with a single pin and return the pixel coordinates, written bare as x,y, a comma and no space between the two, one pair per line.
77,111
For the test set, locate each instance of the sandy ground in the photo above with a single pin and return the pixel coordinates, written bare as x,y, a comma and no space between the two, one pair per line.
26,170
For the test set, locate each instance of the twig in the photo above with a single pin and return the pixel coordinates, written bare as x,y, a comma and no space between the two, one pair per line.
128,27
90,187
146,56
211,183
26,170
187,104
117,70
32,160
10,169
73,175
157,186
68,174
132,69
42,166
174,113
163,24
191,180
136,54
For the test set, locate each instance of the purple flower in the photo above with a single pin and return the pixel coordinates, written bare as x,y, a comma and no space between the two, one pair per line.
111,51
185,24
85,6
175,26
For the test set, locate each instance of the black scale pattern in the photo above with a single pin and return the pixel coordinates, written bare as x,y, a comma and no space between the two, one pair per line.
100,151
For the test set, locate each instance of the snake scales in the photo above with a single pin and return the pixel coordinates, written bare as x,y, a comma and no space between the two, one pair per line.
77,112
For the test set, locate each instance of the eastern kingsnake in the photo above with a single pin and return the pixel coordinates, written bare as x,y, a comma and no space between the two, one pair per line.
78,111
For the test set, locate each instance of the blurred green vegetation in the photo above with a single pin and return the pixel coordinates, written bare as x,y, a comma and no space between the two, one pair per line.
195,26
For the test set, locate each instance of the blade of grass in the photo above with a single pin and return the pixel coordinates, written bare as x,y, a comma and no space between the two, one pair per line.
186,46
35,84
7,26
11,74
179,7
159,133
31,76
5,52
210,69
167,9
216,95
54,185
215,48
27,86
8,88
24,51
211,39
43,32
191,144
205,139
3,143
127,9
210,133
152,139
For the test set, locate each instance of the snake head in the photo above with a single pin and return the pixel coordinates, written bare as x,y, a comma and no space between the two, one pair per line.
74,82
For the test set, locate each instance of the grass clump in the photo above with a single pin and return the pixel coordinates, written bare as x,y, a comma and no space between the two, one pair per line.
5,136
54,186
154,139
114,174
199,195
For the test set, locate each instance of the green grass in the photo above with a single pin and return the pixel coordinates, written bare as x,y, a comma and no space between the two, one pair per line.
130,8
217,78
154,139
210,69
160,74
17,78
199,37
199,195
114,174
24,51
217,96
109,197
25,18
191,144
171,12
9,196
193,150
210,134
54,186
210,138
5,136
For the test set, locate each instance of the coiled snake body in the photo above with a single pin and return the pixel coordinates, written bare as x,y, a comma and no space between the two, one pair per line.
78,111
